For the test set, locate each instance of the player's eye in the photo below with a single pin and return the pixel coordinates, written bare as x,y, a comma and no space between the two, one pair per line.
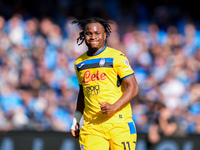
88,33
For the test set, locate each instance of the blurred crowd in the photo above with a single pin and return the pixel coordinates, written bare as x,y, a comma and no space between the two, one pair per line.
38,85
167,68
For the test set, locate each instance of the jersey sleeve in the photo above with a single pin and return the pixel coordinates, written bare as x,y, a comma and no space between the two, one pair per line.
122,66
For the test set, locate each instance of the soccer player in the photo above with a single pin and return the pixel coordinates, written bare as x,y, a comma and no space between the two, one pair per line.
107,85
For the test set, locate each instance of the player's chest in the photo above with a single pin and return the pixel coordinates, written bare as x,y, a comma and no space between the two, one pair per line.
96,70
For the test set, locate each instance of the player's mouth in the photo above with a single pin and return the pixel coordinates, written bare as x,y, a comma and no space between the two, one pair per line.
93,41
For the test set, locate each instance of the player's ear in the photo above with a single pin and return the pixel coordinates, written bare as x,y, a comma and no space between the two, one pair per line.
104,35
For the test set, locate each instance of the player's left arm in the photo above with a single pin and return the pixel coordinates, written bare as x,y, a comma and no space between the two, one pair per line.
130,92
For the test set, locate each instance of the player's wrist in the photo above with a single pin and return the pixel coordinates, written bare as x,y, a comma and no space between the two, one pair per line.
116,107
76,119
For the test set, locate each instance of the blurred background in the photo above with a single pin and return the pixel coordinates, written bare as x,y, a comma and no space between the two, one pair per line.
38,85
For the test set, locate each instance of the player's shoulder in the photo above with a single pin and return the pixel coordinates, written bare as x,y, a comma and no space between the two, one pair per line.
115,52
119,57
80,58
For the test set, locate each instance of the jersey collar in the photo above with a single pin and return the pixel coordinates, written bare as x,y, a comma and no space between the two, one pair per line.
97,52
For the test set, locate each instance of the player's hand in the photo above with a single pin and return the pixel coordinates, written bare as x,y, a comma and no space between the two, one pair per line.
107,108
75,133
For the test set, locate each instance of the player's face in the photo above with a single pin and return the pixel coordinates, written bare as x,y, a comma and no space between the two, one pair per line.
95,37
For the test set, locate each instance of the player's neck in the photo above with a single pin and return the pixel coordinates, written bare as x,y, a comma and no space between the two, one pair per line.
94,51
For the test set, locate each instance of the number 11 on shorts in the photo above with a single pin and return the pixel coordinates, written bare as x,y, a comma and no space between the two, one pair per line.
126,144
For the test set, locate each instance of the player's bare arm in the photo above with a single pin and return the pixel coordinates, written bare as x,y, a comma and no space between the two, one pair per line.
131,91
79,109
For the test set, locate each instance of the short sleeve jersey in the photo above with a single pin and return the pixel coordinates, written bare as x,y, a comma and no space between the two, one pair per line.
101,76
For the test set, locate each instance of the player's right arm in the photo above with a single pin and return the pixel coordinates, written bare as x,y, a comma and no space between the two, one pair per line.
78,114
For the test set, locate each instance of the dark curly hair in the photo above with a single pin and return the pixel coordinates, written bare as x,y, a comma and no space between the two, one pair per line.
84,22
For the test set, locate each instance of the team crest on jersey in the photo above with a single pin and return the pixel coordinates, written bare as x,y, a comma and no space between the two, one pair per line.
102,62
82,147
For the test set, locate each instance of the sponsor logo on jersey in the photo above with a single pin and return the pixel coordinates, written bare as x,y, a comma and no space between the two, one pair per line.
88,76
93,90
